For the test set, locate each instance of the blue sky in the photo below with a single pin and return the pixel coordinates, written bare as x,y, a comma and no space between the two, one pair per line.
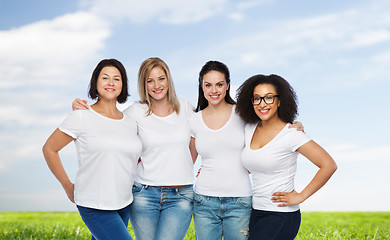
336,55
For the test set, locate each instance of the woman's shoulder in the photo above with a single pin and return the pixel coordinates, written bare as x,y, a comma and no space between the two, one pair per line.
185,103
249,126
195,117
79,114
135,108
186,107
293,133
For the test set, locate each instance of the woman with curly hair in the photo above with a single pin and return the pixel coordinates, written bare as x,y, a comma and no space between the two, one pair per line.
268,105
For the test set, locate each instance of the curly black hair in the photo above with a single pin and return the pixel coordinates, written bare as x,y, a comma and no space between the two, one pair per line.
288,109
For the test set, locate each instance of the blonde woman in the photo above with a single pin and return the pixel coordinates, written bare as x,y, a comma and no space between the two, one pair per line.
163,191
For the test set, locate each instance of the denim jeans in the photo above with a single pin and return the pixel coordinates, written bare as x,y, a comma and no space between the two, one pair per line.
274,225
161,213
215,217
106,224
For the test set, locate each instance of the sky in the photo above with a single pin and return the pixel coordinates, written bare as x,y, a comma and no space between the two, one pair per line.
335,54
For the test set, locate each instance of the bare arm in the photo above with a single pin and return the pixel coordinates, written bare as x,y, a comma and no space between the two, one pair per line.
53,145
79,104
194,153
317,155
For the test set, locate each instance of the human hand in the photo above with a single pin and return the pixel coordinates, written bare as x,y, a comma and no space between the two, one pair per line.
79,104
298,126
198,172
287,198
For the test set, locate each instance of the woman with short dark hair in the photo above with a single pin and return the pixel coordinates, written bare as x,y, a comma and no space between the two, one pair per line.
107,148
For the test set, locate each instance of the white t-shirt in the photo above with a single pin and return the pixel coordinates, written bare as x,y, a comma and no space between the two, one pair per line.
273,166
166,158
107,151
222,174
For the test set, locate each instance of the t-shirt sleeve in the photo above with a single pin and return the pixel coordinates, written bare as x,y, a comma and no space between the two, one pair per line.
187,107
248,130
129,111
297,139
192,123
72,124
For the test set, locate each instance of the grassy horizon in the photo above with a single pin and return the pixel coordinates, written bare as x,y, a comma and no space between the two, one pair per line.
315,225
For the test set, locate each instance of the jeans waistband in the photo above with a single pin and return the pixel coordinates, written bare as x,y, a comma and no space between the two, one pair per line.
166,188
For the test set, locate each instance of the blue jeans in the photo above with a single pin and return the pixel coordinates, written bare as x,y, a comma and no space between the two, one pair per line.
106,224
274,225
215,217
161,212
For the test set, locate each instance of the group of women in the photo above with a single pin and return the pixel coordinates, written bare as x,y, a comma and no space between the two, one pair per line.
138,164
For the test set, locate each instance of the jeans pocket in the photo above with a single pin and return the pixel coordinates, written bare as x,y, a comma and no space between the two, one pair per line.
137,188
245,202
186,193
198,199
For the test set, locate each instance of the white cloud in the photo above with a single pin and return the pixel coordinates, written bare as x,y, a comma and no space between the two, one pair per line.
237,16
370,37
44,51
354,152
296,37
239,13
244,5
42,62
169,11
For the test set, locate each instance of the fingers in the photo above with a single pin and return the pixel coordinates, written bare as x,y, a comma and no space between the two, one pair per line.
79,104
287,198
298,126
279,199
198,172
279,194
83,103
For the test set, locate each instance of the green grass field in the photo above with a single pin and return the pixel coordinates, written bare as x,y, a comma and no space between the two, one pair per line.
315,225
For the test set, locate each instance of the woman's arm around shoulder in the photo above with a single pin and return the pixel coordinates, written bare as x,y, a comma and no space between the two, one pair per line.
79,104
298,126
194,152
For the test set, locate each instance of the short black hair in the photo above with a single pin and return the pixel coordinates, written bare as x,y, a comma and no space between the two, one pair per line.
288,109
212,66
93,93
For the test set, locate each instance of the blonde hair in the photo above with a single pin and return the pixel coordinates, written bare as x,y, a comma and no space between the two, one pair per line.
143,74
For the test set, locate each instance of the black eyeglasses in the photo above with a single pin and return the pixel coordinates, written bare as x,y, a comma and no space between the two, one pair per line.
268,99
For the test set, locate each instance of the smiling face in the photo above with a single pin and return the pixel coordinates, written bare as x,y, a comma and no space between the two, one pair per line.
157,84
214,87
109,83
266,111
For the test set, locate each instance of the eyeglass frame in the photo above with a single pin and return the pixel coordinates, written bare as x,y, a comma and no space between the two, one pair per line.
263,98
